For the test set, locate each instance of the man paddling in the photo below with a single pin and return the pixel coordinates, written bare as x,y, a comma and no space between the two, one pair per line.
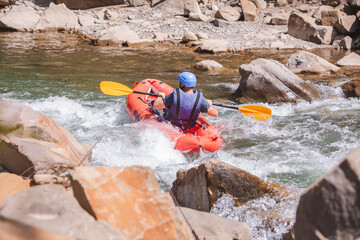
185,104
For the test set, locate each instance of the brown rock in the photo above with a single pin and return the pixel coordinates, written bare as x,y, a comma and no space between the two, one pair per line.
85,4
33,143
347,25
228,13
14,230
330,209
329,18
200,187
130,199
352,88
249,10
11,184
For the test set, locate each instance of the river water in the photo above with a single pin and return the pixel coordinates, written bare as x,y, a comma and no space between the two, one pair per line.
59,77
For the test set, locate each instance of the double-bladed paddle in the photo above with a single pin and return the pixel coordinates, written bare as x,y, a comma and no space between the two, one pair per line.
254,111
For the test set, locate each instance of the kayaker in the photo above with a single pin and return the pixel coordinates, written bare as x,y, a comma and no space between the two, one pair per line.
185,104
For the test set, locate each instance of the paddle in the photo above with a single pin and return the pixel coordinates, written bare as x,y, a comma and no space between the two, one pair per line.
260,113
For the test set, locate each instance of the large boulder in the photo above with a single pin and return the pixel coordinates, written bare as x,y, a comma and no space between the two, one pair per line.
200,187
204,224
303,61
267,80
304,27
212,46
85,4
20,18
176,7
330,209
347,25
33,143
11,184
351,59
15,230
129,199
52,208
58,17
249,10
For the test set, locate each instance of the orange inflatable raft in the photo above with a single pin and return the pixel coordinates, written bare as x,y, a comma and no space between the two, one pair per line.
202,137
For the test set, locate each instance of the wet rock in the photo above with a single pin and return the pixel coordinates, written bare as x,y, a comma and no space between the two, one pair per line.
347,25
351,59
329,18
175,7
330,209
228,13
303,61
212,46
86,4
33,143
267,80
15,230
208,65
11,184
343,42
200,187
204,224
52,208
129,199
57,17
20,18
249,10
117,35
351,89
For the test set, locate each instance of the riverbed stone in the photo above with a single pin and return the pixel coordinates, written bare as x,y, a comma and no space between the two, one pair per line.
211,227
212,46
176,7
329,208
343,42
86,4
200,187
20,18
249,10
34,143
208,65
117,35
267,80
15,230
351,59
11,183
7,2
228,13
129,199
52,208
304,61
57,17
280,19
351,89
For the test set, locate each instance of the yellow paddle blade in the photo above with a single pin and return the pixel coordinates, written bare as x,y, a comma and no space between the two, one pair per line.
256,112
114,88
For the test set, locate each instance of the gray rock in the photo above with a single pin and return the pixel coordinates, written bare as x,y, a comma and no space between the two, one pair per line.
208,65
343,42
52,208
20,18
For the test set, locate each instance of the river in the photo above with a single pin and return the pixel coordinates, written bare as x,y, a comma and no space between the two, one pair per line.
59,77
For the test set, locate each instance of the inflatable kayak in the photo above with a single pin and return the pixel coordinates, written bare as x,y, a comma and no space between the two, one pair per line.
203,137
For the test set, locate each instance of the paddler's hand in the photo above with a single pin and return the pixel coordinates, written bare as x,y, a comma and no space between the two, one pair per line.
162,95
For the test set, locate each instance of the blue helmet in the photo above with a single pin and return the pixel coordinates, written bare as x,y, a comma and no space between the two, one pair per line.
188,79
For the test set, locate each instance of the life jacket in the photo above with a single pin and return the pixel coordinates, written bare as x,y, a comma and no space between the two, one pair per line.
185,109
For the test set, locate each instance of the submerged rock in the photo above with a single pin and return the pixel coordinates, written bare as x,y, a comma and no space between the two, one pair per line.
33,143
330,209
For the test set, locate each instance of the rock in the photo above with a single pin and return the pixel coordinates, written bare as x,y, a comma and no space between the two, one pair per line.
20,18
200,187
213,46
15,230
347,25
267,80
86,20
281,3
351,89
208,65
351,59
332,3
198,17
52,208
189,36
330,209
111,15
249,10
202,36
33,143
329,18
303,61
343,42
129,199
228,13
354,3
280,19
136,3
86,4
220,23
260,4
7,2
204,224
117,35
304,27
355,44
41,179
58,17
159,36
317,13
11,184
175,7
